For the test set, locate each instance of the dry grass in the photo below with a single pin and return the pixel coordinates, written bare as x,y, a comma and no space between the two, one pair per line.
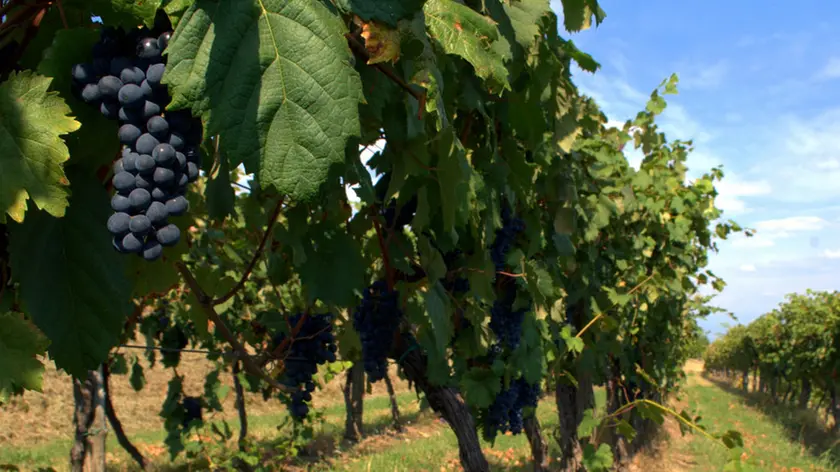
38,418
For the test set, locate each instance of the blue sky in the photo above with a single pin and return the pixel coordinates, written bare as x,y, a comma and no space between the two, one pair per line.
760,95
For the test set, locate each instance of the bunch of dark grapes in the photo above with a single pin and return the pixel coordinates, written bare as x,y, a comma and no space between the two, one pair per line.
191,409
505,322
160,153
376,319
506,412
505,236
313,345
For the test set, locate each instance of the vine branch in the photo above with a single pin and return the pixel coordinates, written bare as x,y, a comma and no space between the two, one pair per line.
274,215
206,305
359,49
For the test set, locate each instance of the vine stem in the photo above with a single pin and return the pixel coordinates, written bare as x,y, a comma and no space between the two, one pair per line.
61,12
359,49
206,305
601,315
274,215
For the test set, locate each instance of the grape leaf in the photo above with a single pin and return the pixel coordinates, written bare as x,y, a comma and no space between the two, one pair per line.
466,33
31,151
334,267
71,47
125,13
387,11
219,193
439,314
277,77
577,14
20,343
480,386
71,279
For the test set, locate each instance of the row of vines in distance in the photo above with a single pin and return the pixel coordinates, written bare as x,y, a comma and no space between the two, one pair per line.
505,246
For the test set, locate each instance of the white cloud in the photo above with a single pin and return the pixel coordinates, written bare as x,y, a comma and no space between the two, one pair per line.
830,164
829,254
731,190
747,268
702,76
831,70
783,226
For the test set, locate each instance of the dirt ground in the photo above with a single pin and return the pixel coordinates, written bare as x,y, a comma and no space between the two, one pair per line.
37,418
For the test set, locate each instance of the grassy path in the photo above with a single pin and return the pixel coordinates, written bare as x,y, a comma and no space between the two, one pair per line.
776,439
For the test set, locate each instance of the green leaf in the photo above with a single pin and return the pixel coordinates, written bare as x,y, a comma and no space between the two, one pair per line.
587,424
274,78
334,268
600,460
625,429
221,198
480,386
137,379
577,14
464,32
386,11
453,174
72,46
72,283
20,343
126,13
31,151
438,312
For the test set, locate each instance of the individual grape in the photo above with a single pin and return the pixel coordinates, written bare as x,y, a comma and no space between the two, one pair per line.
176,141
181,179
164,177
160,195
116,242
145,164
163,40
132,75
83,74
168,235
119,223
131,243
131,96
147,89
146,144
150,109
128,134
91,94
181,160
192,171
141,181
154,74
157,213
164,155
118,64
139,225
109,87
152,250
118,166
177,206
140,199
148,49
109,109
123,182
120,203
158,127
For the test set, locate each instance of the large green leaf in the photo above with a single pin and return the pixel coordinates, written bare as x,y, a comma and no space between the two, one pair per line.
20,343
72,46
466,33
334,268
31,150
72,282
274,80
387,11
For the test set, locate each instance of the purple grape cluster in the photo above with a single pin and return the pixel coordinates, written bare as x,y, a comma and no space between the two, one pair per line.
313,345
376,319
505,237
161,152
505,322
506,412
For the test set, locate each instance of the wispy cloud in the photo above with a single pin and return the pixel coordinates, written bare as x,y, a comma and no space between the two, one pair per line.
831,70
831,254
747,268
696,75
732,191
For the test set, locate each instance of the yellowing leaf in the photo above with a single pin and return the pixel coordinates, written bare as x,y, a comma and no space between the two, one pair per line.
31,150
381,42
